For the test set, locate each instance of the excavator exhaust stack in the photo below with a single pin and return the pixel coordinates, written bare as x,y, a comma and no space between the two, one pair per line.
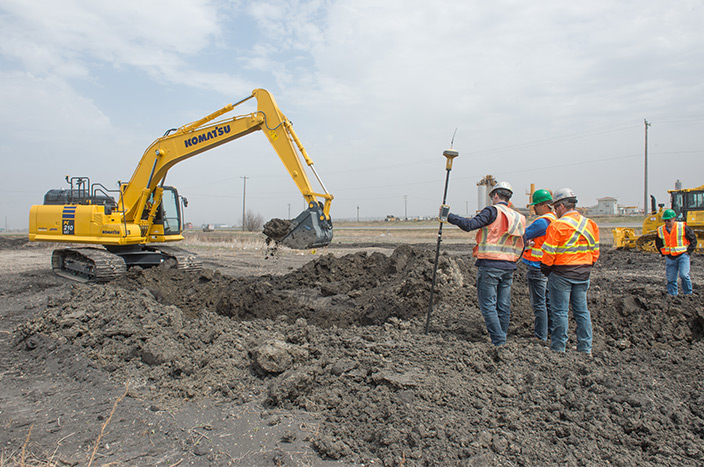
310,229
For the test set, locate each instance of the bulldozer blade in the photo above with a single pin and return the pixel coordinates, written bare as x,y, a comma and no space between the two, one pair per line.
309,230
624,238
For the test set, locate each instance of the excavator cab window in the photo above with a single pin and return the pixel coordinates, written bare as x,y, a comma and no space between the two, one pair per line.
171,211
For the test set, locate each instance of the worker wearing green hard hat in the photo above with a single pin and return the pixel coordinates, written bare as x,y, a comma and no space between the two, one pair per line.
668,214
537,282
541,196
676,241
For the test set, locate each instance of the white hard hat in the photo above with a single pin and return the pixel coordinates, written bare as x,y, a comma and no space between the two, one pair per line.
563,194
502,186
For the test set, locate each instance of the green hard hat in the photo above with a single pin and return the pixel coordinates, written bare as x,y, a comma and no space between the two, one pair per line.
540,196
668,214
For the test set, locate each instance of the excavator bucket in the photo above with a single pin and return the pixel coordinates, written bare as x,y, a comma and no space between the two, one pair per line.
309,230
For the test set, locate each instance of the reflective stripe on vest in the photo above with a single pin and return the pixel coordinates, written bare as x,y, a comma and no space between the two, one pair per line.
503,238
535,252
674,240
572,246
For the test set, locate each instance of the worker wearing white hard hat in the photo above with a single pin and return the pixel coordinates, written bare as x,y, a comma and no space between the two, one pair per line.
499,245
570,250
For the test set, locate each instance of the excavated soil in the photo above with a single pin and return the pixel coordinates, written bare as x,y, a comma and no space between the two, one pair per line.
322,360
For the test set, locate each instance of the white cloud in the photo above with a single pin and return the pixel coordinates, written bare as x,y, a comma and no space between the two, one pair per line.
70,38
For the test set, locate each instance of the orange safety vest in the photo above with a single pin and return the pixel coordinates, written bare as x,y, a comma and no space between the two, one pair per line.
675,241
535,252
503,238
571,240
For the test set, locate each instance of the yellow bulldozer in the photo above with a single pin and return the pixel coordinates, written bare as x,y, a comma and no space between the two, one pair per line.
687,203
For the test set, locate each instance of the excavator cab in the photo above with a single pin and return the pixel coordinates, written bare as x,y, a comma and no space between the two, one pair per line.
170,211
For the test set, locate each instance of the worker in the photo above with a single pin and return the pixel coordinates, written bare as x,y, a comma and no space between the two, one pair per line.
499,246
537,282
570,249
676,241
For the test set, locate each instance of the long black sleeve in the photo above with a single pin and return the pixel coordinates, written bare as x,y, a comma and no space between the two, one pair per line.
659,243
692,238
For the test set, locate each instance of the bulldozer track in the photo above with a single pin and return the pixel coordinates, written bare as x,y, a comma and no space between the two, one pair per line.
647,243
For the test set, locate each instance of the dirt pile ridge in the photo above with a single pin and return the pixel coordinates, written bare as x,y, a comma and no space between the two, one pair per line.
341,339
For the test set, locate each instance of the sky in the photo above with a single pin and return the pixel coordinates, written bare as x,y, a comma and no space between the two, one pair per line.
550,93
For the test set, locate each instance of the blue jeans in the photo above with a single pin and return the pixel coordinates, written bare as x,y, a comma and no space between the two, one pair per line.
564,292
494,294
679,265
537,285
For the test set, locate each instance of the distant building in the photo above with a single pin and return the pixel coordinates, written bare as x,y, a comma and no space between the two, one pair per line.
606,206
629,210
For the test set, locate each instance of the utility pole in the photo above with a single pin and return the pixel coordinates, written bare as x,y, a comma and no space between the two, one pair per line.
405,207
645,177
357,213
244,197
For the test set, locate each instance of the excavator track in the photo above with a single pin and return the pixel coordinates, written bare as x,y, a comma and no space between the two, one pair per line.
185,260
87,264
96,265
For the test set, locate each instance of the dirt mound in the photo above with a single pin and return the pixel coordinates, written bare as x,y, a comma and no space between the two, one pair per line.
342,338
12,242
357,289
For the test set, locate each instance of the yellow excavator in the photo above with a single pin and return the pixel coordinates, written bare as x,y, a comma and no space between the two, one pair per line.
687,203
132,223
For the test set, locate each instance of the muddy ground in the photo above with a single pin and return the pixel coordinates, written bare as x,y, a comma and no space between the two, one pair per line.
321,359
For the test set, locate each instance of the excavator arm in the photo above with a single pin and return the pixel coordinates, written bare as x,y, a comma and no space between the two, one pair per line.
310,229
